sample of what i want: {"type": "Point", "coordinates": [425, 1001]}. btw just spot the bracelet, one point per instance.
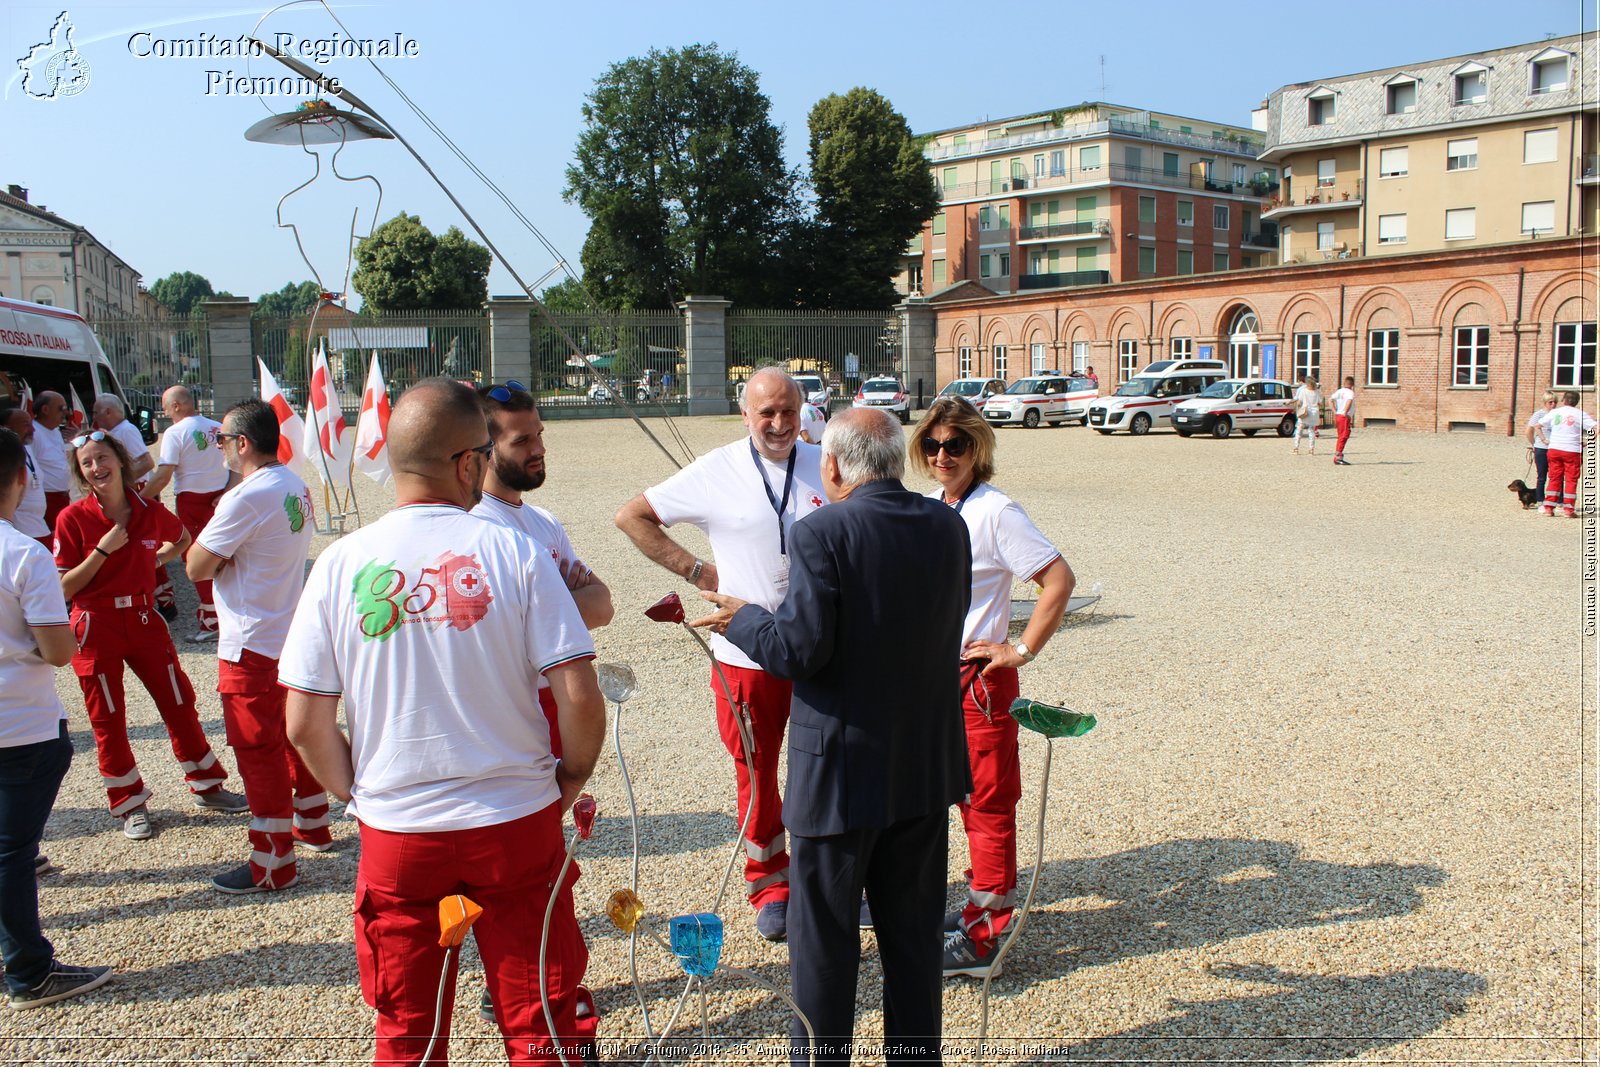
{"type": "Point", "coordinates": [695, 571]}
{"type": "Point", "coordinates": [102, 551]}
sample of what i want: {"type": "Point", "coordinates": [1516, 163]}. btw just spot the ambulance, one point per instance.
{"type": "Point", "coordinates": [1243, 404]}
{"type": "Point", "coordinates": [49, 348]}
{"type": "Point", "coordinates": [1147, 399]}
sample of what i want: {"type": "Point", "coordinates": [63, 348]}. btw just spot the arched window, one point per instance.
{"type": "Point", "coordinates": [43, 294]}
{"type": "Point", "coordinates": [1244, 344]}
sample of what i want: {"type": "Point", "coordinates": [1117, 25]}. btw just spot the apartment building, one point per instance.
{"type": "Point", "coordinates": [51, 260]}
{"type": "Point", "coordinates": [1090, 195]}
{"type": "Point", "coordinates": [1487, 148]}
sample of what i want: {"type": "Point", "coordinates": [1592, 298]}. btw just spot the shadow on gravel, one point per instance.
{"type": "Point", "coordinates": [257, 967]}
{"type": "Point", "coordinates": [1306, 1019]}
{"type": "Point", "coordinates": [660, 835]}
{"type": "Point", "coordinates": [83, 740]}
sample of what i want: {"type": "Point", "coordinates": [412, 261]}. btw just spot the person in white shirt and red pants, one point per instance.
{"type": "Point", "coordinates": [1344, 414]}
{"type": "Point", "coordinates": [1567, 428]}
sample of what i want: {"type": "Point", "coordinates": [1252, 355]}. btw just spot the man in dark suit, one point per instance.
{"type": "Point", "coordinates": [871, 637]}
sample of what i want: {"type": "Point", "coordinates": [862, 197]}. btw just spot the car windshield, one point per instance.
{"type": "Point", "coordinates": [1138, 387]}
{"type": "Point", "coordinates": [1221, 390]}
{"type": "Point", "coordinates": [1076, 384]}
{"type": "Point", "coordinates": [882, 385]}
{"type": "Point", "coordinates": [967, 388]}
{"type": "Point", "coordinates": [1027, 385]}
{"type": "Point", "coordinates": [810, 385]}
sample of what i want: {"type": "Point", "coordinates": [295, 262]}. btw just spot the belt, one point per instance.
{"type": "Point", "coordinates": [137, 600]}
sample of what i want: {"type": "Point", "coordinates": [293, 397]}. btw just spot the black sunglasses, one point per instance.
{"type": "Point", "coordinates": [220, 436]}
{"type": "Point", "coordinates": [84, 438]}
{"type": "Point", "coordinates": [955, 447]}
{"type": "Point", "coordinates": [501, 394]}
{"type": "Point", "coordinates": [482, 450]}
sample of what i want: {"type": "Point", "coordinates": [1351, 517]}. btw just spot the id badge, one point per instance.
{"type": "Point", "coordinates": [780, 576]}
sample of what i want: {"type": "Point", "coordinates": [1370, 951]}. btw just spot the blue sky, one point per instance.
{"type": "Point", "coordinates": [160, 171]}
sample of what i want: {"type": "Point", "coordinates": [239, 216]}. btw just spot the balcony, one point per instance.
{"type": "Point", "coordinates": [1266, 237]}
{"type": "Point", "coordinates": [1126, 126]}
{"type": "Point", "coordinates": [1056, 231]}
{"type": "Point", "coordinates": [1336, 197]}
{"type": "Point", "coordinates": [1064, 281]}
{"type": "Point", "coordinates": [1591, 170]}
{"type": "Point", "coordinates": [1259, 186]}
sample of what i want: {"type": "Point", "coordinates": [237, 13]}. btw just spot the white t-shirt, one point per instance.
{"type": "Point", "coordinates": [190, 447]}
{"type": "Point", "coordinates": [31, 508]}
{"type": "Point", "coordinates": [1344, 401]}
{"type": "Point", "coordinates": [722, 494]}
{"type": "Point", "coordinates": [812, 422]}
{"type": "Point", "coordinates": [30, 595]}
{"type": "Point", "coordinates": [435, 626]}
{"type": "Point", "coordinates": [537, 523]}
{"type": "Point", "coordinates": [1536, 420]}
{"type": "Point", "coordinates": [264, 527]}
{"type": "Point", "coordinates": [50, 453]}
{"type": "Point", "coordinates": [1565, 427]}
{"type": "Point", "coordinates": [1308, 400]}
{"type": "Point", "coordinates": [1006, 545]}
{"type": "Point", "coordinates": [128, 434]}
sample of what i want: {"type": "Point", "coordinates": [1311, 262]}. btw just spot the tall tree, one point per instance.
{"type": "Point", "coordinates": [182, 291]}
{"type": "Point", "coordinates": [873, 193]}
{"type": "Point", "coordinates": [681, 173]}
{"type": "Point", "coordinates": [289, 301]}
{"type": "Point", "coordinates": [402, 266]}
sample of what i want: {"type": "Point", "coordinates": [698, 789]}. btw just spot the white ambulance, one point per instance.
{"type": "Point", "coordinates": [49, 348]}
{"type": "Point", "coordinates": [1243, 404]}
{"type": "Point", "coordinates": [1147, 399]}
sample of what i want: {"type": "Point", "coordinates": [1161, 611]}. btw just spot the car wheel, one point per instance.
{"type": "Point", "coordinates": [1106, 432]}
{"type": "Point", "coordinates": [1140, 425]}
{"type": "Point", "coordinates": [1222, 427]}
{"type": "Point", "coordinates": [1030, 419]}
{"type": "Point", "coordinates": [1084, 421]}
{"type": "Point", "coordinates": [1248, 433]}
{"type": "Point", "coordinates": [1286, 427]}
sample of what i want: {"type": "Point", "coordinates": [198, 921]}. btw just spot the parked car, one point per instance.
{"type": "Point", "coordinates": [814, 390]}
{"type": "Point", "coordinates": [1245, 404]}
{"type": "Point", "coordinates": [1146, 399]}
{"type": "Point", "coordinates": [885, 393]}
{"type": "Point", "coordinates": [1050, 397]}
{"type": "Point", "coordinates": [975, 390]}
{"type": "Point", "coordinates": [600, 394]}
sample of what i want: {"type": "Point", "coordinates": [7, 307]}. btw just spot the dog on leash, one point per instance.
{"type": "Point", "coordinates": [1529, 498]}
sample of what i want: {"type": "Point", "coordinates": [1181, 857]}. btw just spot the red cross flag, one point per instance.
{"type": "Point", "coordinates": [372, 427]}
{"type": "Point", "coordinates": [79, 417]}
{"type": "Point", "coordinates": [27, 398]}
{"type": "Point", "coordinates": [290, 428]}
{"type": "Point", "coordinates": [328, 441]}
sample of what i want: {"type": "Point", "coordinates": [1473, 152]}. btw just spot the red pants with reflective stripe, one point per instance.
{"type": "Point", "coordinates": [990, 811]}
{"type": "Point", "coordinates": [55, 504]}
{"type": "Point", "coordinates": [1343, 424]}
{"type": "Point", "coordinates": [283, 794]}
{"type": "Point", "coordinates": [108, 638]}
{"type": "Point", "coordinates": [1561, 488]}
{"type": "Point", "coordinates": [194, 511]}
{"type": "Point", "coordinates": [509, 871]}
{"type": "Point", "coordinates": [766, 865]}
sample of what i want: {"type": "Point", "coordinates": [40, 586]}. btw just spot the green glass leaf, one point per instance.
{"type": "Point", "coordinates": [1050, 720]}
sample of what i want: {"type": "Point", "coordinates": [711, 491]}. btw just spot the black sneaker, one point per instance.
{"type": "Point", "coordinates": [952, 921]}
{"type": "Point", "coordinates": [772, 921]}
{"type": "Point", "coordinates": [963, 956]}
{"type": "Point", "coordinates": [42, 865]}
{"type": "Point", "coordinates": [486, 1007]}
{"type": "Point", "coordinates": [239, 881]}
{"type": "Point", "coordinates": [62, 982]}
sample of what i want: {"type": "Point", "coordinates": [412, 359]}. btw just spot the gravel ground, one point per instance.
{"type": "Point", "coordinates": [1338, 806]}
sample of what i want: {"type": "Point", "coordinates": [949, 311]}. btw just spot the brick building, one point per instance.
{"type": "Point", "coordinates": [1461, 339]}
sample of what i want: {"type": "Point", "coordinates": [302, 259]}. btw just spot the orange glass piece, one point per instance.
{"type": "Point", "coordinates": [625, 909]}
{"type": "Point", "coordinates": [456, 916]}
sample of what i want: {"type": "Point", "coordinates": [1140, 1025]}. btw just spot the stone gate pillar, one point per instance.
{"type": "Point", "coordinates": [705, 333]}
{"type": "Point", "coordinates": [231, 342]}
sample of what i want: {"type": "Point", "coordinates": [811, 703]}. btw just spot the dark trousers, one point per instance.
{"type": "Point", "coordinates": [1541, 463]}
{"type": "Point", "coordinates": [30, 775]}
{"type": "Point", "coordinates": [902, 869]}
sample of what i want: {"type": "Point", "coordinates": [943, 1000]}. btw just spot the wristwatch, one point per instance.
{"type": "Point", "coordinates": [696, 570]}
{"type": "Point", "coordinates": [1025, 652]}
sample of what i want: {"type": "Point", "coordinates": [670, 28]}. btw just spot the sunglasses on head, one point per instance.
{"type": "Point", "coordinates": [482, 450]}
{"type": "Point", "coordinates": [955, 447]}
{"type": "Point", "coordinates": [84, 438]}
{"type": "Point", "coordinates": [501, 394]}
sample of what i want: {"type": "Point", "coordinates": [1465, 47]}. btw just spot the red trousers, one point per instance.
{"type": "Point", "coordinates": [55, 504]}
{"type": "Point", "coordinates": [287, 803]}
{"type": "Point", "coordinates": [1561, 488]}
{"type": "Point", "coordinates": [990, 811]}
{"type": "Point", "coordinates": [508, 870]}
{"type": "Point", "coordinates": [1343, 424]}
{"type": "Point", "coordinates": [766, 846]}
{"type": "Point", "coordinates": [109, 637]}
{"type": "Point", "coordinates": [194, 511]}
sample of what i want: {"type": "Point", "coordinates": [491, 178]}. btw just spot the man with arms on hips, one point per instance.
{"type": "Point", "coordinates": [253, 552]}
{"type": "Point", "coordinates": [50, 453]}
{"type": "Point", "coordinates": [745, 497]}
{"type": "Point", "coordinates": [1344, 414]}
{"type": "Point", "coordinates": [873, 768]}
{"type": "Point", "coordinates": [435, 626]}
{"type": "Point", "coordinates": [29, 517]}
{"type": "Point", "coordinates": [110, 415]}
{"type": "Point", "coordinates": [34, 749]}
{"type": "Point", "coordinates": [191, 461]}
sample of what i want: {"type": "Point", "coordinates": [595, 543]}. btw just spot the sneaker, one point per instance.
{"type": "Point", "coordinates": [865, 920]}
{"type": "Point", "coordinates": [1296, 451]}
{"type": "Point", "coordinates": [486, 1008]}
{"type": "Point", "coordinates": [219, 799]}
{"type": "Point", "coordinates": [136, 824]}
{"type": "Point", "coordinates": [239, 881]}
{"type": "Point", "coordinates": [202, 635]}
{"type": "Point", "coordinates": [952, 921]}
{"type": "Point", "coordinates": [314, 846]}
{"type": "Point", "coordinates": [170, 613]}
{"type": "Point", "coordinates": [42, 865]}
{"type": "Point", "coordinates": [1547, 512]}
{"type": "Point", "coordinates": [772, 921]}
{"type": "Point", "coordinates": [62, 982]}
{"type": "Point", "coordinates": [962, 956]}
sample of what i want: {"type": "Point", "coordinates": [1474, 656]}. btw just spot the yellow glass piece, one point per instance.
{"type": "Point", "coordinates": [625, 909]}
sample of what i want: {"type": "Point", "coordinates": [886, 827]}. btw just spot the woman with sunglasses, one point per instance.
{"type": "Point", "coordinates": [955, 446]}
{"type": "Point", "coordinates": [1539, 440]}
{"type": "Point", "coordinates": [108, 545]}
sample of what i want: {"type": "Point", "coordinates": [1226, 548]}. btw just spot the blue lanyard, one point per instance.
{"type": "Point", "coordinates": [777, 505]}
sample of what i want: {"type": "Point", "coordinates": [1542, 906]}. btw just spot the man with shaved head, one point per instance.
{"type": "Point", "coordinates": [31, 507]}
{"type": "Point", "coordinates": [50, 453]}
{"type": "Point", "coordinates": [745, 497]}
{"type": "Point", "coordinates": [435, 627]}
{"type": "Point", "coordinates": [192, 462]}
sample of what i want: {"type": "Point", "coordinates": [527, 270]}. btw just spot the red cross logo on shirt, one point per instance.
{"type": "Point", "coordinates": [816, 501]}
{"type": "Point", "coordinates": [469, 581]}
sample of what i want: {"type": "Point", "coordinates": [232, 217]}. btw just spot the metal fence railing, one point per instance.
{"type": "Point", "coordinates": [638, 354]}
{"type": "Point", "coordinates": [844, 347]}
{"type": "Point", "coordinates": [149, 355]}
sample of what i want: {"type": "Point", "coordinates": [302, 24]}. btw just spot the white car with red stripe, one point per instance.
{"type": "Point", "coordinates": [1050, 397]}
{"type": "Point", "coordinates": [1243, 404]}
{"type": "Point", "coordinates": [1147, 399]}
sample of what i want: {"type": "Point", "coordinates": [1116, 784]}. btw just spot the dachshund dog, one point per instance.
{"type": "Point", "coordinates": [1529, 498]}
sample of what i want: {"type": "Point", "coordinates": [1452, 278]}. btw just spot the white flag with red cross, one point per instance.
{"type": "Point", "coordinates": [372, 427]}
{"type": "Point", "coordinates": [328, 441]}
{"type": "Point", "coordinates": [79, 417]}
{"type": "Point", "coordinates": [290, 428]}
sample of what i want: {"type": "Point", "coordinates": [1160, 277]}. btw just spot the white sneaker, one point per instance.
{"type": "Point", "coordinates": [202, 635]}
{"type": "Point", "coordinates": [136, 825]}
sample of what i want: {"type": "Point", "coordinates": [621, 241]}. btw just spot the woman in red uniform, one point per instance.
{"type": "Point", "coordinates": [108, 545]}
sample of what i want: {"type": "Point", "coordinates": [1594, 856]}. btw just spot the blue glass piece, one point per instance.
{"type": "Point", "coordinates": [1050, 720]}
{"type": "Point", "coordinates": [697, 942]}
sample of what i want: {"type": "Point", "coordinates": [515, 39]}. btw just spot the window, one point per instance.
{"type": "Point", "coordinates": [1147, 259]}
{"type": "Point", "coordinates": [1127, 359]}
{"type": "Point", "coordinates": [1169, 163]}
{"type": "Point", "coordinates": [950, 177]}
{"type": "Point", "coordinates": [1460, 223]}
{"type": "Point", "coordinates": [1058, 163]}
{"type": "Point", "coordinates": [1220, 261]}
{"type": "Point", "coordinates": [1307, 355]}
{"type": "Point", "coordinates": [1325, 172]}
{"type": "Point", "coordinates": [1038, 166]}
{"type": "Point", "coordinates": [1394, 162]}
{"type": "Point", "coordinates": [1004, 216]}
{"type": "Point", "coordinates": [1324, 236]}
{"type": "Point", "coordinates": [1539, 146]}
{"type": "Point", "coordinates": [914, 278]}
{"type": "Point", "coordinates": [1472, 87]}
{"type": "Point", "coordinates": [1239, 174]}
{"type": "Point", "coordinates": [1383, 357]}
{"type": "Point", "coordinates": [1574, 362]}
{"type": "Point", "coordinates": [1036, 357]}
{"type": "Point", "coordinates": [999, 361]}
{"type": "Point", "coordinates": [1185, 212]}
{"type": "Point", "coordinates": [1182, 347]}
{"type": "Point", "coordinates": [1320, 110]}
{"type": "Point", "coordinates": [1391, 229]}
{"type": "Point", "coordinates": [1088, 258]}
{"type": "Point", "coordinates": [1550, 75]}
{"type": "Point", "coordinates": [960, 144]}
{"type": "Point", "coordinates": [964, 362]}
{"type": "Point", "coordinates": [1005, 264]}
{"type": "Point", "coordinates": [1185, 261]}
{"type": "Point", "coordinates": [1089, 157]}
{"type": "Point", "coordinates": [1036, 263]}
{"type": "Point", "coordinates": [1461, 154]}
{"type": "Point", "coordinates": [938, 224]}
{"type": "Point", "coordinates": [1132, 157]}
{"type": "Point", "coordinates": [1219, 217]}
{"type": "Point", "coordinates": [1539, 217]}
{"type": "Point", "coordinates": [1402, 98]}
{"type": "Point", "coordinates": [986, 217]}
{"type": "Point", "coordinates": [1080, 355]}
{"type": "Point", "coordinates": [1147, 209]}
{"type": "Point", "coordinates": [983, 266]}
{"type": "Point", "coordinates": [938, 272]}
{"type": "Point", "coordinates": [1472, 355]}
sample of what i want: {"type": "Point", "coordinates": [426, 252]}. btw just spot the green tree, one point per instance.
{"type": "Point", "coordinates": [873, 193]}
{"type": "Point", "coordinates": [565, 296]}
{"type": "Point", "coordinates": [681, 173]}
{"type": "Point", "coordinates": [290, 301]}
{"type": "Point", "coordinates": [182, 291]}
{"type": "Point", "coordinates": [402, 266]}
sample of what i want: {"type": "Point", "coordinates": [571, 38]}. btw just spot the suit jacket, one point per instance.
{"type": "Point", "coordinates": [870, 634]}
